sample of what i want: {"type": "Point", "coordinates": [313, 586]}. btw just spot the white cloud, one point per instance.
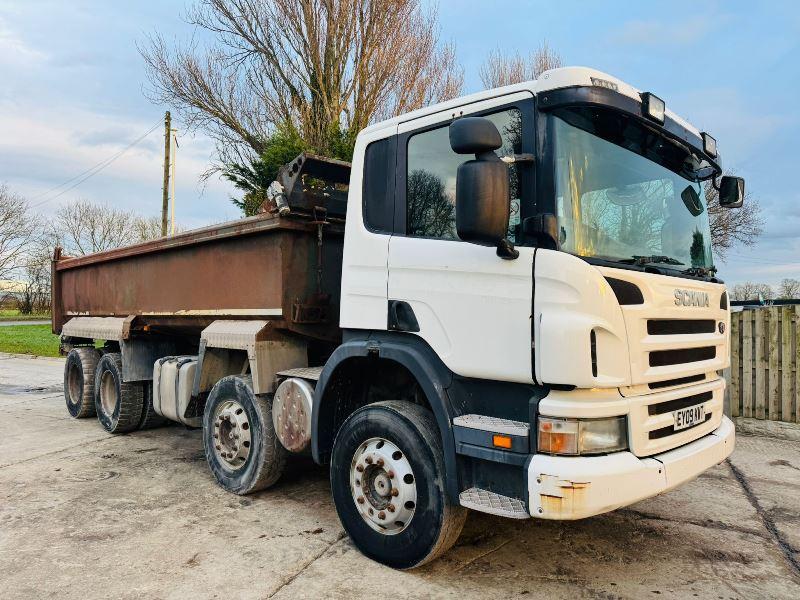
{"type": "Point", "coordinates": [41, 148]}
{"type": "Point", "coordinates": [14, 52]}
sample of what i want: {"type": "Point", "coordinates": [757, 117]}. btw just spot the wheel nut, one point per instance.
{"type": "Point", "coordinates": [390, 508]}
{"type": "Point", "coordinates": [395, 492]}
{"type": "Point", "coordinates": [390, 474]}
{"type": "Point", "coordinates": [360, 500]}
{"type": "Point", "coordinates": [217, 446]}
{"type": "Point", "coordinates": [381, 515]}
{"type": "Point", "coordinates": [379, 462]}
{"type": "Point", "coordinates": [371, 512]}
{"type": "Point", "coordinates": [360, 468]}
{"type": "Point", "coordinates": [368, 460]}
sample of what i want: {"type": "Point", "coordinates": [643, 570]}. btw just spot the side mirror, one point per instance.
{"type": "Point", "coordinates": [482, 201]}
{"type": "Point", "coordinates": [731, 191]}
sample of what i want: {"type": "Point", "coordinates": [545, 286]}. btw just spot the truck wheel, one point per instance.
{"type": "Point", "coordinates": [79, 381]}
{"type": "Point", "coordinates": [118, 404]}
{"type": "Point", "coordinates": [387, 480]}
{"type": "Point", "coordinates": [240, 443]}
{"type": "Point", "coordinates": [150, 418]}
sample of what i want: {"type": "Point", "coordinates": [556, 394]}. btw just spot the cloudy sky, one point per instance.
{"type": "Point", "coordinates": [71, 83]}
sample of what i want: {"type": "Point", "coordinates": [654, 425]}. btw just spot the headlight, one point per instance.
{"type": "Point", "coordinates": [574, 437]}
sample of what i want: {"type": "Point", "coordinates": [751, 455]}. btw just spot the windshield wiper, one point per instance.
{"type": "Point", "coordinates": [700, 271]}
{"type": "Point", "coordinates": [651, 260]}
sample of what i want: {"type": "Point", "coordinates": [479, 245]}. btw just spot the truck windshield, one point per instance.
{"type": "Point", "coordinates": [630, 200]}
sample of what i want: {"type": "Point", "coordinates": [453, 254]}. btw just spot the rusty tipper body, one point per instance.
{"type": "Point", "coordinates": [508, 304]}
{"type": "Point", "coordinates": [263, 267]}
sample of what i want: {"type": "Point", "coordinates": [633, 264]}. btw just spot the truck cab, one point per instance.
{"type": "Point", "coordinates": [512, 308]}
{"type": "Point", "coordinates": [580, 372]}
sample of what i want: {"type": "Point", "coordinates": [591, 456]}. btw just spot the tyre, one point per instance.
{"type": "Point", "coordinates": [241, 447]}
{"type": "Point", "coordinates": [387, 480]}
{"type": "Point", "coordinates": [79, 381]}
{"type": "Point", "coordinates": [150, 419]}
{"type": "Point", "coordinates": [118, 404]}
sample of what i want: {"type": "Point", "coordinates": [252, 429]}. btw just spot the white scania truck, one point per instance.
{"type": "Point", "coordinates": [507, 303]}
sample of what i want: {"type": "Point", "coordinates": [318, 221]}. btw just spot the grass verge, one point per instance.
{"type": "Point", "coordinates": [28, 339]}
{"type": "Point", "coordinates": [13, 315]}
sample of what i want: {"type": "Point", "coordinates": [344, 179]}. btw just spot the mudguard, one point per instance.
{"type": "Point", "coordinates": [415, 355]}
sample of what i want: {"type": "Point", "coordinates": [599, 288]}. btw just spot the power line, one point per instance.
{"type": "Point", "coordinates": [91, 171]}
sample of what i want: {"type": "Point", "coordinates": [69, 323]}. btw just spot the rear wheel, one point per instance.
{"type": "Point", "coordinates": [79, 381]}
{"type": "Point", "coordinates": [241, 447]}
{"type": "Point", "coordinates": [118, 404]}
{"type": "Point", "coordinates": [387, 479]}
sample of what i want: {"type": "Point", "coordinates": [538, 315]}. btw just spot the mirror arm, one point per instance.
{"type": "Point", "coordinates": [714, 183]}
{"type": "Point", "coordinates": [518, 158]}
{"type": "Point", "coordinates": [506, 250]}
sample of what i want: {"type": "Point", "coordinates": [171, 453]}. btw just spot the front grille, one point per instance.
{"type": "Point", "coordinates": [663, 358]}
{"type": "Point", "coordinates": [669, 406]}
{"type": "Point", "coordinates": [657, 385]}
{"type": "Point", "coordinates": [669, 430]}
{"type": "Point", "coordinates": [680, 326]}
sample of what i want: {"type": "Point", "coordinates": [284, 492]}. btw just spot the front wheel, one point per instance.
{"type": "Point", "coordinates": [387, 479]}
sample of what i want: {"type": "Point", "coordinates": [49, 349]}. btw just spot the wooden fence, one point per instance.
{"type": "Point", "coordinates": [764, 378]}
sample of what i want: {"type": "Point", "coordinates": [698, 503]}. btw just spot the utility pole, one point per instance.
{"type": "Point", "coordinates": [165, 196]}
{"type": "Point", "coordinates": [174, 154]}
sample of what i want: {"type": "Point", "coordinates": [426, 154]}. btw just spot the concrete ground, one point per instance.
{"type": "Point", "coordinates": [87, 515]}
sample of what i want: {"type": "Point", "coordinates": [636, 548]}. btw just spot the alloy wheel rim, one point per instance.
{"type": "Point", "coordinates": [232, 434]}
{"type": "Point", "coordinates": [383, 486]}
{"type": "Point", "coordinates": [108, 393]}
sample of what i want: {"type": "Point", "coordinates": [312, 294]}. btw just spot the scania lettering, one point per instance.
{"type": "Point", "coordinates": [691, 298]}
{"type": "Point", "coordinates": [506, 303]}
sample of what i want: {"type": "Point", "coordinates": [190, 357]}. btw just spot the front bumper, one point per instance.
{"type": "Point", "coordinates": [564, 488]}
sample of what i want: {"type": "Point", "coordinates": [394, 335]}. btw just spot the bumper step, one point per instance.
{"type": "Point", "coordinates": [494, 504]}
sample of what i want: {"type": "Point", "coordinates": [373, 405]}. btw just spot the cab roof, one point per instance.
{"type": "Point", "coordinates": [563, 77]}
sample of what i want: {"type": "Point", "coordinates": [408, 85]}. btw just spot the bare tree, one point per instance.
{"type": "Point", "coordinates": [319, 66]}
{"type": "Point", "coordinates": [732, 226]}
{"type": "Point", "coordinates": [82, 228]}
{"type": "Point", "coordinates": [752, 291]}
{"type": "Point", "coordinates": [789, 288]}
{"type": "Point", "coordinates": [17, 227]}
{"type": "Point", "coordinates": [501, 69]}
{"type": "Point", "coordinates": [34, 297]}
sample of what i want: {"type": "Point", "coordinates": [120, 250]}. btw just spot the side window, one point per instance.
{"type": "Point", "coordinates": [378, 187]}
{"type": "Point", "coordinates": [431, 177]}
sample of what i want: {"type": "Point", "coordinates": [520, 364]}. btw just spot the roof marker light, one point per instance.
{"type": "Point", "coordinates": [709, 145]}
{"type": "Point", "coordinates": [653, 107]}
{"type": "Point", "coordinates": [604, 83]}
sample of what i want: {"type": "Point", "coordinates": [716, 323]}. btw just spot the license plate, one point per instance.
{"type": "Point", "coordinates": [688, 417]}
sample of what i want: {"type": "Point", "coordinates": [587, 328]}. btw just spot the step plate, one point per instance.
{"type": "Point", "coordinates": [310, 373]}
{"type": "Point", "coordinates": [492, 424]}
{"type": "Point", "coordinates": [494, 504]}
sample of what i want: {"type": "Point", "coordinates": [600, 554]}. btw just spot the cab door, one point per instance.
{"type": "Point", "coordinates": [471, 306]}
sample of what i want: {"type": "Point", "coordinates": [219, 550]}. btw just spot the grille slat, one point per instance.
{"type": "Point", "coordinates": [656, 385]}
{"type": "Point", "coordinates": [680, 326]}
{"type": "Point", "coordinates": [663, 358]}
